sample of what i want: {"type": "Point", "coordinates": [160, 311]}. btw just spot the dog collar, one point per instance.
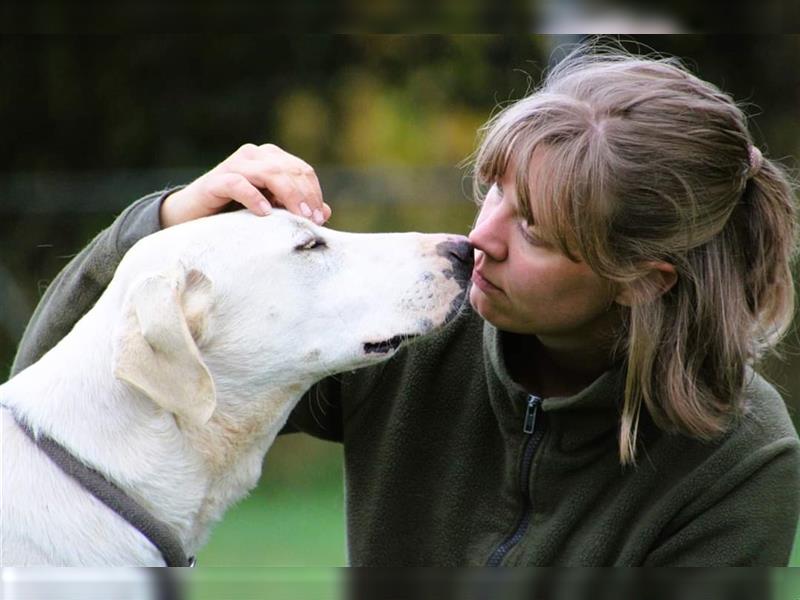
{"type": "Point", "coordinates": [157, 532]}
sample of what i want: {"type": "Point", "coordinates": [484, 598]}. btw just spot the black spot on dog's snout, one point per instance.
{"type": "Point", "coordinates": [459, 252]}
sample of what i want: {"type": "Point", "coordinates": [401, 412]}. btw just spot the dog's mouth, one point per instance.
{"type": "Point", "coordinates": [389, 345]}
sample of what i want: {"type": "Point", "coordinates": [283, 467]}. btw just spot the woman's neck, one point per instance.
{"type": "Point", "coordinates": [549, 370]}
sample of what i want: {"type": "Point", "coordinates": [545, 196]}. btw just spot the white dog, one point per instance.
{"type": "Point", "coordinates": [174, 385]}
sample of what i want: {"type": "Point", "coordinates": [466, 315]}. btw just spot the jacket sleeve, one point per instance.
{"type": "Point", "coordinates": [78, 286]}
{"type": "Point", "coordinates": [747, 518]}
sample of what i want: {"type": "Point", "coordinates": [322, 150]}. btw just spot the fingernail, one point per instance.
{"type": "Point", "coordinates": [319, 219]}
{"type": "Point", "coordinates": [305, 209]}
{"type": "Point", "coordinates": [264, 207]}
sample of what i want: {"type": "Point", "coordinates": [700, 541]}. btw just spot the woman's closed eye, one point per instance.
{"type": "Point", "coordinates": [529, 234]}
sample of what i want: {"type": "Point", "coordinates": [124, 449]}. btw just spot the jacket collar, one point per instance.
{"type": "Point", "coordinates": [582, 427]}
{"type": "Point", "coordinates": [605, 393]}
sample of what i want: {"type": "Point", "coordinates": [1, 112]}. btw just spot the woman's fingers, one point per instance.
{"type": "Point", "coordinates": [291, 186]}
{"type": "Point", "coordinates": [284, 179]}
{"type": "Point", "coordinates": [258, 178]}
{"type": "Point", "coordinates": [236, 186]}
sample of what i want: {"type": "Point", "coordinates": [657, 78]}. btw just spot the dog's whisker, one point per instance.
{"type": "Point", "coordinates": [318, 399]}
{"type": "Point", "coordinates": [320, 422]}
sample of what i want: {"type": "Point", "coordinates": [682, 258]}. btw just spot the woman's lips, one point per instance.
{"type": "Point", "coordinates": [484, 284]}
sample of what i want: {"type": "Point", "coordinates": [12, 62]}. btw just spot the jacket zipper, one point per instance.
{"type": "Point", "coordinates": [529, 428]}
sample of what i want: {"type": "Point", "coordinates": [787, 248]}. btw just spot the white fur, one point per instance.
{"type": "Point", "coordinates": [176, 382]}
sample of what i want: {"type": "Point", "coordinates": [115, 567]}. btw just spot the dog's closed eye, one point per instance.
{"type": "Point", "coordinates": [311, 244]}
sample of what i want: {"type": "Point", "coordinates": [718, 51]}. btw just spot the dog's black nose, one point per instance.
{"type": "Point", "coordinates": [460, 253]}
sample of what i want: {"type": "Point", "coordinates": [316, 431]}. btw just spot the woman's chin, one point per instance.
{"type": "Point", "coordinates": [496, 316]}
{"type": "Point", "coordinates": [483, 305]}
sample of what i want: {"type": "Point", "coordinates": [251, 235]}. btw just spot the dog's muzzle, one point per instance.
{"type": "Point", "coordinates": [459, 252]}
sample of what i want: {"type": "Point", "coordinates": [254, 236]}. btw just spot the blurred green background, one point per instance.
{"type": "Point", "coordinates": [92, 122]}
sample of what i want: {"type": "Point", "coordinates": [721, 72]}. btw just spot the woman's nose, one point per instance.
{"type": "Point", "coordinates": [490, 234]}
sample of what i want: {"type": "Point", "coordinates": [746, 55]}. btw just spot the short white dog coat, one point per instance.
{"type": "Point", "coordinates": [174, 385]}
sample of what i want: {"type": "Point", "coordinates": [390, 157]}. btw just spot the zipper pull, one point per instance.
{"type": "Point", "coordinates": [530, 413]}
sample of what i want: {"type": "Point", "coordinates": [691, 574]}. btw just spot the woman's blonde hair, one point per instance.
{"type": "Point", "coordinates": [646, 162]}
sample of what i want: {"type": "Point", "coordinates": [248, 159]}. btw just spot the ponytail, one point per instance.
{"type": "Point", "coordinates": [767, 221]}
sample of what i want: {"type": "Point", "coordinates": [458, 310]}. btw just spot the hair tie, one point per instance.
{"type": "Point", "coordinates": [755, 161]}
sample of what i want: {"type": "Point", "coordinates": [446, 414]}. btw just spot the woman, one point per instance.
{"type": "Point", "coordinates": [595, 403]}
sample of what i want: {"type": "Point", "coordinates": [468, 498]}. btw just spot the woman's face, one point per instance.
{"type": "Point", "coordinates": [524, 285]}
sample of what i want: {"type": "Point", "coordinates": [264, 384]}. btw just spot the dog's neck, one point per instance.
{"type": "Point", "coordinates": [186, 477]}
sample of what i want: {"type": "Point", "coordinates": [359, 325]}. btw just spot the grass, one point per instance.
{"type": "Point", "coordinates": [285, 528]}
{"type": "Point", "coordinates": [295, 517]}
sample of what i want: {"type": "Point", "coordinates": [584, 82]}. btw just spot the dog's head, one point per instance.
{"type": "Point", "coordinates": [258, 303]}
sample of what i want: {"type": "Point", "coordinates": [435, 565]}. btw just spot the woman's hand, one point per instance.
{"type": "Point", "coordinates": [257, 177]}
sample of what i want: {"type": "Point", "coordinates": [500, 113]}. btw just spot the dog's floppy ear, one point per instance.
{"type": "Point", "coordinates": [155, 349]}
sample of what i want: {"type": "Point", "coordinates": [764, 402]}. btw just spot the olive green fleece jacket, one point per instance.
{"type": "Point", "coordinates": [449, 462]}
